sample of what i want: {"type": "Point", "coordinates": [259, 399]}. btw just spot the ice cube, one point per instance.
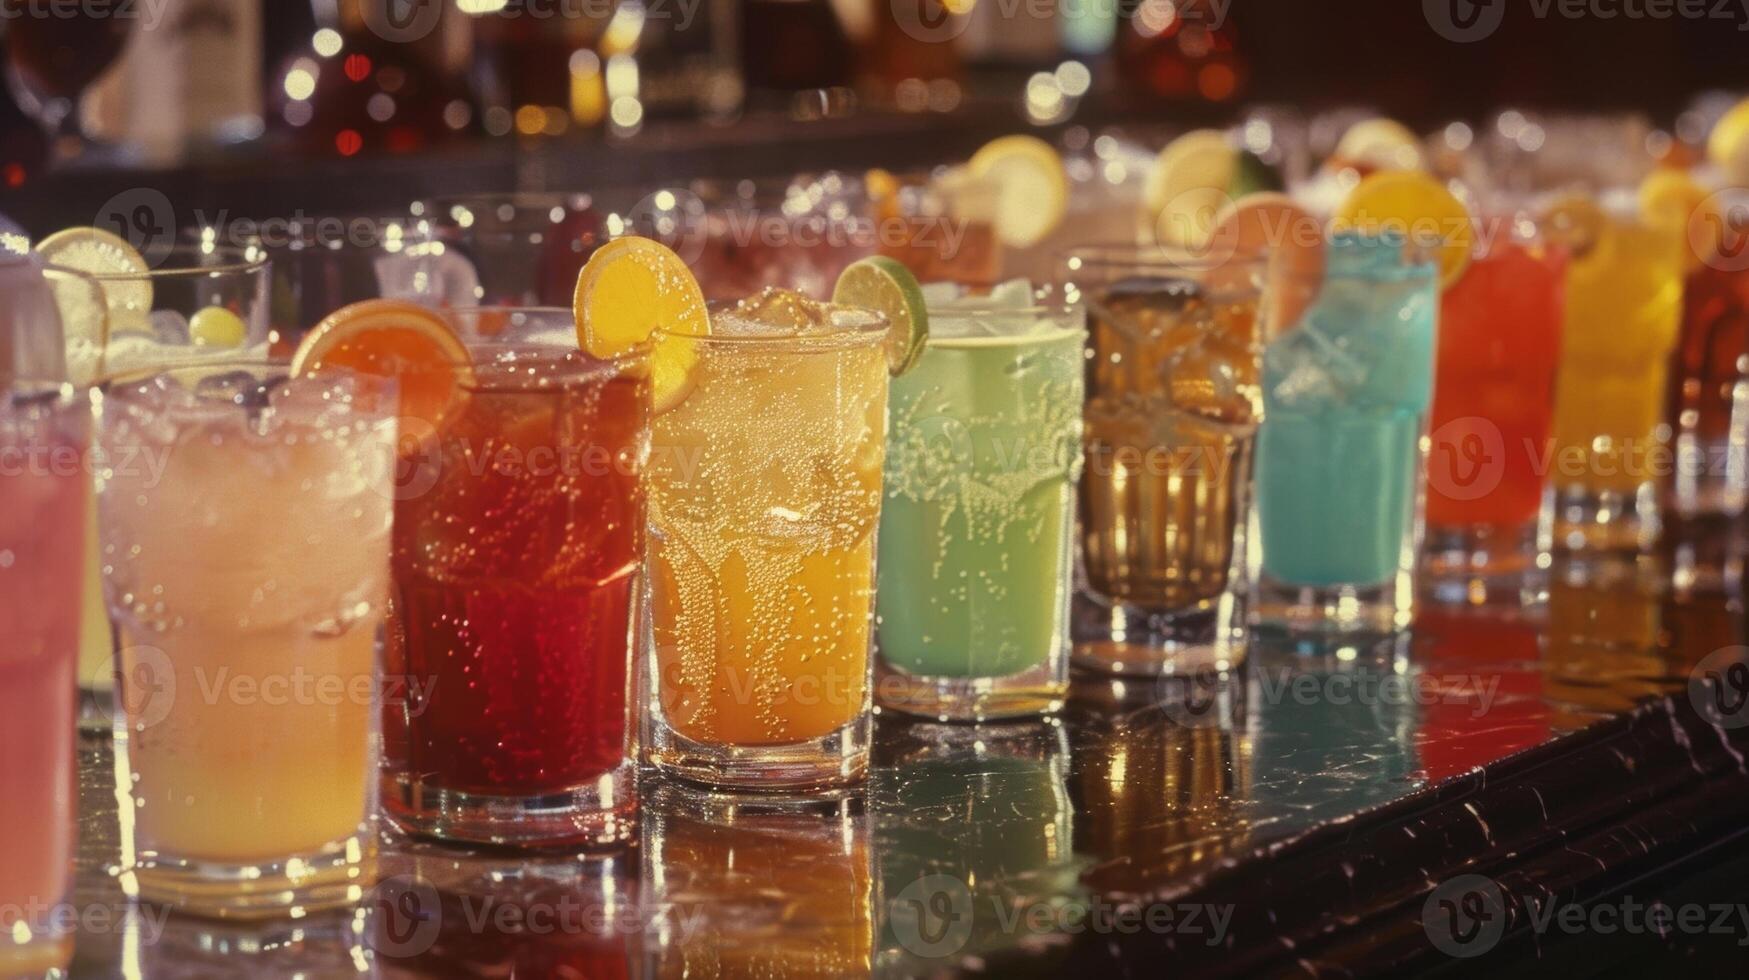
{"type": "Point", "coordinates": [1296, 377]}
{"type": "Point", "coordinates": [237, 387]}
{"type": "Point", "coordinates": [937, 295]}
{"type": "Point", "coordinates": [782, 311]}
{"type": "Point", "coordinates": [1015, 294]}
{"type": "Point", "coordinates": [169, 327]}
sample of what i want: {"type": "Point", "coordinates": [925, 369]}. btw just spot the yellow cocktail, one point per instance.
{"type": "Point", "coordinates": [765, 494]}
{"type": "Point", "coordinates": [1624, 305]}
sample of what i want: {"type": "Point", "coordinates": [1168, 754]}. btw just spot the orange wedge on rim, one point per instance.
{"type": "Point", "coordinates": [635, 291]}
{"type": "Point", "coordinates": [395, 339]}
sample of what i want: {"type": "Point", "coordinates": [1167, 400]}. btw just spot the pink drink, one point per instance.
{"type": "Point", "coordinates": [43, 488]}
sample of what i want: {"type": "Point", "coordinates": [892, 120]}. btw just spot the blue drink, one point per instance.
{"type": "Point", "coordinates": [1347, 390]}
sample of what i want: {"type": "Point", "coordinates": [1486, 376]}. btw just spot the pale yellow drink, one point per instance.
{"type": "Point", "coordinates": [246, 550]}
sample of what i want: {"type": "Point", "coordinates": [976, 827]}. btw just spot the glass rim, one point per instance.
{"type": "Point", "coordinates": [302, 233]}
{"type": "Point", "coordinates": [638, 351]}
{"type": "Point", "coordinates": [236, 260]}
{"type": "Point", "coordinates": [874, 330]}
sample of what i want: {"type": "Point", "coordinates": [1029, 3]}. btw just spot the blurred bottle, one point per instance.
{"type": "Point", "coordinates": [53, 54]}
{"type": "Point", "coordinates": [1181, 51]}
{"type": "Point", "coordinates": [377, 76]}
{"type": "Point", "coordinates": [791, 45]}
{"type": "Point", "coordinates": [24, 147]}
{"type": "Point", "coordinates": [526, 69]}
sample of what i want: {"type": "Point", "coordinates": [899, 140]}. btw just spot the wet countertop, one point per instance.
{"type": "Point", "coordinates": [1406, 803]}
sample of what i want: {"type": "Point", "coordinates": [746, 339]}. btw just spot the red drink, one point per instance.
{"type": "Point", "coordinates": [1493, 408]}
{"type": "Point", "coordinates": [518, 539]}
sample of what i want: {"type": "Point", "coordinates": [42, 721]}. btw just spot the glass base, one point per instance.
{"type": "Point", "coordinates": [336, 875]}
{"type": "Point", "coordinates": [821, 765]}
{"type": "Point", "coordinates": [1118, 638]}
{"type": "Point", "coordinates": [97, 712]}
{"type": "Point", "coordinates": [597, 814]}
{"type": "Point", "coordinates": [1482, 565]}
{"type": "Point", "coordinates": [1337, 610]}
{"type": "Point", "coordinates": [1039, 691]}
{"type": "Point", "coordinates": [1605, 520]}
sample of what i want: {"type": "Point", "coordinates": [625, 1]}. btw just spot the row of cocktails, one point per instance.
{"type": "Point", "coordinates": [638, 513]}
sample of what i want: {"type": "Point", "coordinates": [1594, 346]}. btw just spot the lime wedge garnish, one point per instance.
{"type": "Point", "coordinates": [887, 287]}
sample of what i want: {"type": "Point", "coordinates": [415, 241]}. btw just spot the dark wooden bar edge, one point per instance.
{"type": "Point", "coordinates": [1580, 819]}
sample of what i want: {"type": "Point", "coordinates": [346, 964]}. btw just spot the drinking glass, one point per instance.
{"type": "Point", "coordinates": [765, 493]}
{"type": "Point", "coordinates": [1493, 409]}
{"type": "Point", "coordinates": [53, 54]}
{"type": "Point", "coordinates": [1707, 404]}
{"type": "Point", "coordinates": [741, 236]}
{"type": "Point", "coordinates": [318, 265]}
{"type": "Point", "coordinates": [983, 443]}
{"type": "Point", "coordinates": [519, 529]}
{"type": "Point", "coordinates": [515, 250]}
{"type": "Point", "coordinates": [1171, 421]}
{"type": "Point", "coordinates": [43, 490]}
{"type": "Point", "coordinates": [245, 523]}
{"type": "Point", "coordinates": [940, 224]}
{"type": "Point", "coordinates": [1624, 312]}
{"type": "Point", "coordinates": [1010, 844]}
{"type": "Point", "coordinates": [1347, 388]}
{"type": "Point", "coordinates": [117, 323]}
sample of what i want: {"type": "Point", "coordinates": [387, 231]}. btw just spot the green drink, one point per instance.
{"type": "Point", "coordinates": [983, 439]}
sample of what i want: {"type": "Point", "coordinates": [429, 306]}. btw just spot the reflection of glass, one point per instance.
{"type": "Point", "coordinates": [1624, 307]}
{"type": "Point", "coordinates": [519, 249]}
{"type": "Point", "coordinates": [128, 322]}
{"type": "Point", "coordinates": [447, 912]}
{"type": "Point", "coordinates": [1604, 619]}
{"type": "Point", "coordinates": [987, 807]}
{"type": "Point", "coordinates": [767, 890]}
{"type": "Point", "coordinates": [765, 492]}
{"type": "Point", "coordinates": [247, 573]}
{"type": "Point", "coordinates": [1159, 787]}
{"type": "Point", "coordinates": [514, 589]}
{"type": "Point", "coordinates": [1493, 406]}
{"type": "Point", "coordinates": [54, 52]}
{"type": "Point", "coordinates": [1487, 664]}
{"type": "Point", "coordinates": [977, 522]}
{"type": "Point", "coordinates": [1339, 457]}
{"type": "Point", "coordinates": [42, 522]}
{"type": "Point", "coordinates": [1171, 418]}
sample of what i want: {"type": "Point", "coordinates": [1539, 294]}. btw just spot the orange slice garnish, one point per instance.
{"type": "Point", "coordinates": [401, 340]}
